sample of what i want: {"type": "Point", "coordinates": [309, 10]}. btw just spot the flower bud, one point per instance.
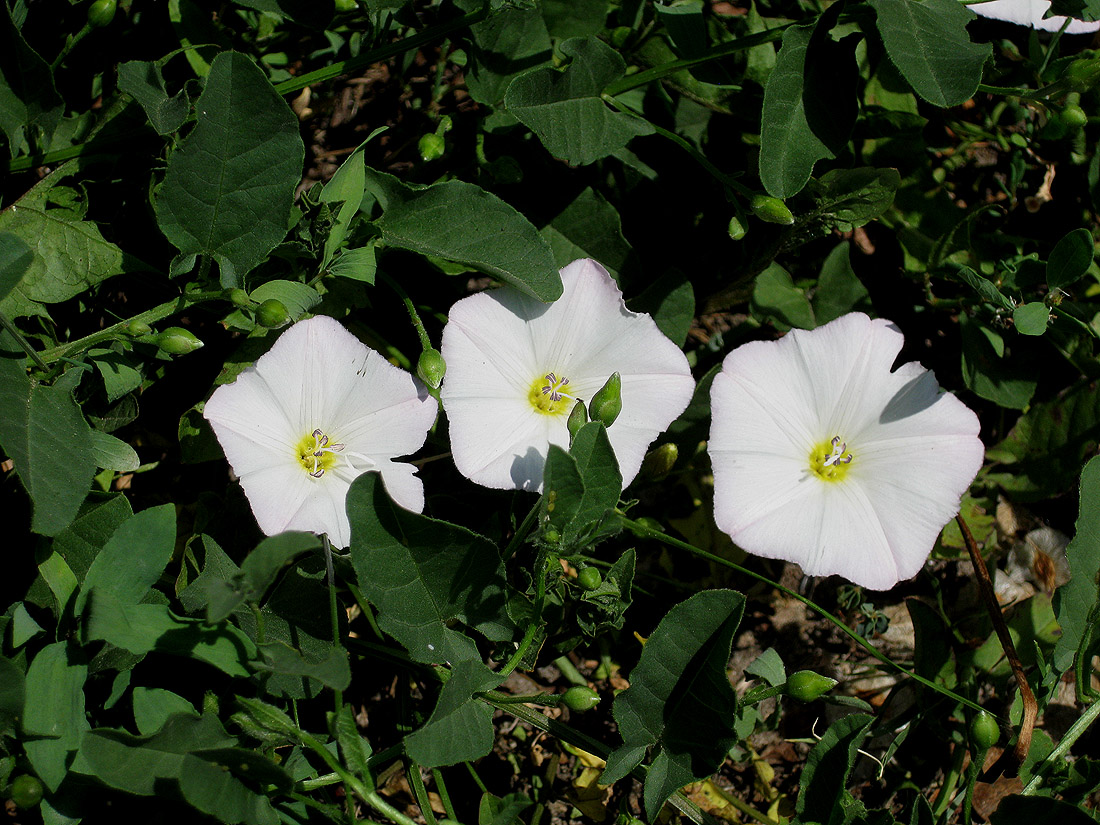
{"type": "Point", "coordinates": [101, 13]}
{"type": "Point", "coordinates": [659, 462]}
{"type": "Point", "coordinates": [805, 686]}
{"type": "Point", "coordinates": [431, 367]}
{"type": "Point", "coordinates": [552, 536]}
{"type": "Point", "coordinates": [737, 229]}
{"type": "Point", "coordinates": [580, 698]}
{"type": "Point", "coordinates": [136, 329]}
{"type": "Point", "coordinates": [26, 791]}
{"type": "Point", "coordinates": [239, 298]}
{"type": "Point", "coordinates": [432, 146]}
{"type": "Point", "coordinates": [984, 731]}
{"type": "Point", "coordinates": [1073, 117]}
{"type": "Point", "coordinates": [177, 341]}
{"type": "Point", "coordinates": [607, 403]}
{"type": "Point", "coordinates": [578, 417]}
{"type": "Point", "coordinates": [272, 314]}
{"type": "Point", "coordinates": [346, 5]}
{"type": "Point", "coordinates": [771, 210]}
{"type": "Point", "coordinates": [589, 578]}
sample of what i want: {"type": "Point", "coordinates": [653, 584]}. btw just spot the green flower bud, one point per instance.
{"type": "Point", "coordinates": [737, 229]}
{"type": "Point", "coordinates": [659, 462]}
{"type": "Point", "coordinates": [578, 417]}
{"type": "Point", "coordinates": [101, 13]}
{"type": "Point", "coordinates": [239, 298]}
{"type": "Point", "coordinates": [580, 698]}
{"type": "Point", "coordinates": [771, 210]}
{"type": "Point", "coordinates": [272, 314]}
{"type": "Point", "coordinates": [26, 791]}
{"type": "Point", "coordinates": [552, 536]}
{"type": "Point", "coordinates": [607, 403]}
{"type": "Point", "coordinates": [177, 341]}
{"type": "Point", "coordinates": [431, 368]}
{"type": "Point", "coordinates": [589, 578]}
{"type": "Point", "coordinates": [346, 5]}
{"type": "Point", "coordinates": [432, 147]}
{"type": "Point", "coordinates": [805, 686]}
{"type": "Point", "coordinates": [984, 731]}
{"type": "Point", "coordinates": [136, 329]}
{"type": "Point", "coordinates": [1073, 117]}
{"type": "Point", "coordinates": [620, 35]}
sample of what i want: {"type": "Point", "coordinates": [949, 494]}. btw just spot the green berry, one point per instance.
{"type": "Point", "coordinates": [101, 13]}
{"type": "Point", "coordinates": [431, 368]}
{"type": "Point", "coordinates": [805, 686]}
{"type": "Point", "coordinates": [26, 791]}
{"type": "Point", "coordinates": [580, 698]}
{"type": "Point", "coordinates": [771, 210]}
{"type": "Point", "coordinates": [984, 731]}
{"type": "Point", "coordinates": [589, 578]}
{"type": "Point", "coordinates": [177, 341]}
{"type": "Point", "coordinates": [272, 314]}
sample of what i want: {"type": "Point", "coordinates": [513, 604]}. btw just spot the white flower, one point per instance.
{"type": "Point", "coordinates": [515, 368]}
{"type": "Point", "coordinates": [824, 457]}
{"type": "Point", "coordinates": [1030, 13]}
{"type": "Point", "coordinates": [313, 413]}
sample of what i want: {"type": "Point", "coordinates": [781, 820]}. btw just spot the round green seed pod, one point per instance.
{"type": "Point", "coordinates": [272, 314]}
{"type": "Point", "coordinates": [984, 731]}
{"type": "Point", "coordinates": [239, 298]}
{"type": "Point", "coordinates": [589, 578]}
{"type": "Point", "coordinates": [26, 791]}
{"type": "Point", "coordinates": [101, 13]}
{"type": "Point", "coordinates": [431, 146]}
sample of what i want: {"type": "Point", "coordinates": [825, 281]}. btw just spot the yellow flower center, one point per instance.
{"type": "Point", "coordinates": [548, 395]}
{"type": "Point", "coordinates": [316, 454]}
{"type": "Point", "coordinates": [830, 460]}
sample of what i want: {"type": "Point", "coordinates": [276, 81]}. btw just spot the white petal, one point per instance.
{"type": "Point", "coordinates": [1030, 13]}
{"type": "Point", "coordinates": [288, 499]}
{"type": "Point", "coordinates": [504, 444]}
{"type": "Point", "coordinates": [403, 485]}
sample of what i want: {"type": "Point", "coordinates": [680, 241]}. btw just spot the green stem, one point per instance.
{"type": "Point", "coordinates": [633, 81]}
{"type": "Point", "coordinates": [425, 341]}
{"type": "Point", "coordinates": [70, 43]}
{"type": "Point", "coordinates": [521, 651]}
{"type": "Point", "coordinates": [1058, 754]}
{"type": "Point", "coordinates": [759, 694]}
{"type": "Point", "coordinates": [13, 330]}
{"type": "Point", "coordinates": [1062, 313]}
{"type": "Point", "coordinates": [150, 316]}
{"type": "Point", "coordinates": [444, 797]}
{"type": "Point", "coordinates": [569, 671]}
{"type": "Point", "coordinates": [825, 614]}
{"type": "Point", "coordinates": [522, 531]}
{"type": "Point", "coordinates": [416, 782]}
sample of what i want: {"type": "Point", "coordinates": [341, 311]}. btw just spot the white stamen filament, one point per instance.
{"type": "Point", "coordinates": [320, 447]}
{"type": "Point", "coordinates": [554, 386]}
{"type": "Point", "coordinates": [838, 455]}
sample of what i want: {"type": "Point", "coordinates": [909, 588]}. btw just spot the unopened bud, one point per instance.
{"type": "Point", "coordinates": [580, 698]}
{"type": "Point", "coordinates": [431, 368]}
{"type": "Point", "coordinates": [659, 462]}
{"type": "Point", "coordinates": [239, 298]}
{"type": "Point", "coordinates": [578, 417]}
{"type": "Point", "coordinates": [1083, 73]}
{"type": "Point", "coordinates": [432, 147]}
{"type": "Point", "coordinates": [272, 314]}
{"type": "Point", "coordinates": [805, 686]}
{"type": "Point", "coordinates": [737, 229]}
{"type": "Point", "coordinates": [771, 210]}
{"type": "Point", "coordinates": [177, 341]}
{"type": "Point", "coordinates": [984, 731]}
{"type": "Point", "coordinates": [589, 578]}
{"type": "Point", "coordinates": [136, 329]}
{"type": "Point", "coordinates": [607, 403]}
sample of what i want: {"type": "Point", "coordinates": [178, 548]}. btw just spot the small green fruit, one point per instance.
{"type": "Point", "coordinates": [431, 368]}
{"type": "Point", "coordinates": [589, 578]}
{"type": "Point", "coordinates": [432, 147]}
{"type": "Point", "coordinates": [272, 314]}
{"type": "Point", "coordinates": [101, 13]}
{"type": "Point", "coordinates": [771, 210]}
{"type": "Point", "coordinates": [580, 698]}
{"type": "Point", "coordinates": [805, 686]}
{"type": "Point", "coordinates": [607, 402]}
{"type": "Point", "coordinates": [26, 791]}
{"type": "Point", "coordinates": [984, 731]}
{"type": "Point", "coordinates": [177, 341]}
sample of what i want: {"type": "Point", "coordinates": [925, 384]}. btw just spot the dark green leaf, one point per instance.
{"type": "Point", "coordinates": [143, 81]}
{"type": "Point", "coordinates": [671, 301]}
{"type": "Point", "coordinates": [565, 109]}
{"type": "Point", "coordinates": [354, 748]}
{"type": "Point", "coordinates": [605, 607]}
{"type": "Point", "coordinates": [678, 689]}
{"type": "Point", "coordinates": [54, 710]}
{"type": "Point", "coordinates": [460, 728]}
{"type": "Point", "coordinates": [985, 288]}
{"type": "Point", "coordinates": [330, 669]}
{"type": "Point", "coordinates": [987, 372]}
{"type": "Point", "coordinates": [134, 557]}
{"type": "Point", "coordinates": [845, 199]}
{"type": "Point", "coordinates": [154, 706]}
{"type": "Point", "coordinates": [582, 486]}
{"type": "Point", "coordinates": [12, 695]}
{"type": "Point", "coordinates": [112, 453]}
{"type": "Point", "coordinates": [589, 227]}
{"type": "Point", "coordinates": [422, 574]}
{"type": "Point", "coordinates": [495, 810]}
{"type": "Point", "coordinates": [927, 41]}
{"type": "Point", "coordinates": [510, 42]}
{"type": "Point", "coordinates": [296, 297]}
{"type": "Point", "coordinates": [569, 18]}
{"type": "Point", "coordinates": [462, 222]}
{"type": "Point", "coordinates": [257, 573]}
{"type": "Point", "coordinates": [823, 787]}
{"type": "Point", "coordinates": [1070, 259]}
{"type": "Point", "coordinates": [15, 259]}
{"type": "Point", "coordinates": [1038, 810]}
{"type": "Point", "coordinates": [314, 14]}
{"type": "Point", "coordinates": [838, 289]}
{"type": "Point", "coordinates": [229, 188]}
{"type": "Point", "coordinates": [1031, 318]}
{"type": "Point", "coordinates": [769, 667]}
{"type": "Point", "coordinates": [775, 297]}
{"type": "Point", "coordinates": [1075, 602]}
{"type": "Point", "coordinates": [27, 93]}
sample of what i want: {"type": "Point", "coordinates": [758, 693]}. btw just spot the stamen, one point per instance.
{"type": "Point", "coordinates": [553, 387]}
{"type": "Point", "coordinates": [316, 451]}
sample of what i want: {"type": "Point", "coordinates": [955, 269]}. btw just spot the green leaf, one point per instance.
{"type": "Point", "coordinates": [134, 557]}
{"type": "Point", "coordinates": [776, 297]}
{"type": "Point", "coordinates": [54, 710]}
{"type": "Point", "coordinates": [496, 810]}
{"type": "Point", "coordinates": [27, 93]}
{"type": "Point", "coordinates": [1076, 601]}
{"type": "Point", "coordinates": [769, 667]}
{"type": "Point", "coordinates": [582, 487]}
{"type": "Point", "coordinates": [823, 793]}
{"type": "Point", "coordinates": [568, 18]}
{"type": "Point", "coordinates": [331, 668]}
{"type": "Point", "coordinates": [678, 689]}
{"type": "Point", "coordinates": [605, 607]}
{"type": "Point", "coordinates": [1031, 318]}
{"type": "Point", "coordinates": [928, 43]}
{"type": "Point", "coordinates": [154, 706]}
{"type": "Point", "coordinates": [12, 695]}
{"type": "Point", "coordinates": [298, 298]}
{"type": "Point", "coordinates": [807, 114]}
{"type": "Point", "coordinates": [589, 227]}
{"type": "Point", "coordinates": [15, 259]}
{"type": "Point", "coordinates": [839, 290]}
{"type": "Point", "coordinates": [49, 443]}
{"type": "Point", "coordinates": [985, 288]}
{"type": "Point", "coordinates": [845, 199]}
{"type": "Point", "coordinates": [565, 108]}
{"type": "Point", "coordinates": [144, 82]}
{"type": "Point", "coordinates": [314, 14]}
{"type": "Point", "coordinates": [346, 189]}
{"type": "Point", "coordinates": [462, 222]}
{"type": "Point", "coordinates": [460, 728]}
{"type": "Point", "coordinates": [511, 41]}
{"type": "Point", "coordinates": [112, 453]}
{"type": "Point", "coordinates": [1005, 381]}
{"type": "Point", "coordinates": [356, 264]}
{"type": "Point", "coordinates": [229, 188]}
{"type": "Point", "coordinates": [1038, 810]}
{"type": "Point", "coordinates": [80, 542]}
{"type": "Point", "coordinates": [670, 300]}
{"type": "Point", "coordinates": [196, 438]}
{"type": "Point", "coordinates": [118, 373]}
{"type": "Point", "coordinates": [422, 574]}
{"type": "Point", "coordinates": [257, 573]}
{"type": "Point", "coordinates": [1070, 259]}
{"type": "Point", "coordinates": [354, 748]}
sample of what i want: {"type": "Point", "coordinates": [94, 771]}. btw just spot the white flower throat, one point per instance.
{"type": "Point", "coordinates": [829, 460]}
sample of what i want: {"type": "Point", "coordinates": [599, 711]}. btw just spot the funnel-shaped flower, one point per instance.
{"type": "Point", "coordinates": [824, 457]}
{"type": "Point", "coordinates": [516, 367]}
{"type": "Point", "coordinates": [1030, 13]}
{"type": "Point", "coordinates": [314, 412]}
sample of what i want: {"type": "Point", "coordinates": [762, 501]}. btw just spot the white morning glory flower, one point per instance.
{"type": "Point", "coordinates": [312, 414]}
{"type": "Point", "coordinates": [824, 457]}
{"type": "Point", "coordinates": [516, 367]}
{"type": "Point", "coordinates": [1030, 13]}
